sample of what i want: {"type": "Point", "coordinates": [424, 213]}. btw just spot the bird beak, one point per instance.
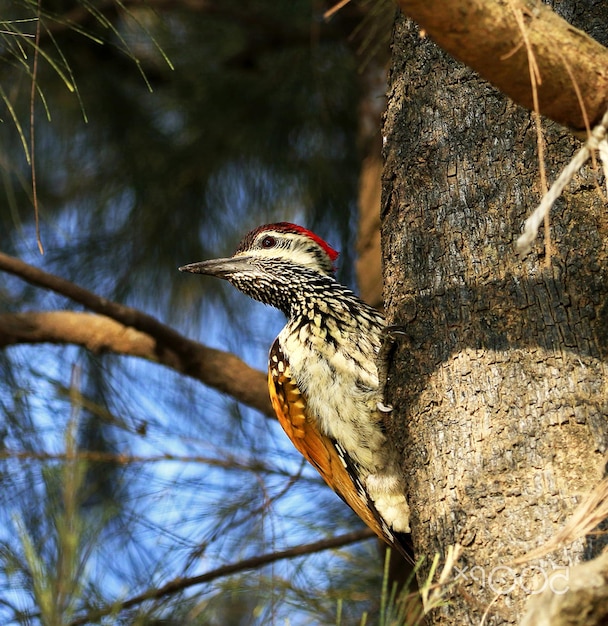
{"type": "Point", "coordinates": [222, 268]}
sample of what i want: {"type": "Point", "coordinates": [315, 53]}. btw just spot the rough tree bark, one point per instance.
{"type": "Point", "coordinates": [500, 386]}
{"type": "Point", "coordinates": [494, 37]}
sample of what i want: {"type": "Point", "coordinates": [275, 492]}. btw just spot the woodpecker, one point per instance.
{"type": "Point", "coordinates": [323, 370]}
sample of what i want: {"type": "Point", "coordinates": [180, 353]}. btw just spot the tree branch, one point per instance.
{"type": "Point", "coordinates": [487, 37]}
{"type": "Point", "coordinates": [120, 458]}
{"type": "Point", "coordinates": [179, 584]}
{"type": "Point", "coordinates": [154, 341]}
{"type": "Point", "coordinates": [123, 314]}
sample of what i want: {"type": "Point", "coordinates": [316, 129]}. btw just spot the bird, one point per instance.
{"type": "Point", "coordinates": [325, 370]}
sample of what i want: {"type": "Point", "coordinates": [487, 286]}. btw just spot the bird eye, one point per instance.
{"type": "Point", "coordinates": [268, 242]}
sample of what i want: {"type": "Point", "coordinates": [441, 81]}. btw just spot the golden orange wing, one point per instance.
{"type": "Point", "coordinates": [327, 456]}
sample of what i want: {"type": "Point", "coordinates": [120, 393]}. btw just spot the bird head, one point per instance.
{"type": "Point", "coordinates": [277, 264]}
{"type": "Point", "coordinates": [271, 246]}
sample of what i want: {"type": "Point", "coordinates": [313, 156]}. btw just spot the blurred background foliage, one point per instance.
{"type": "Point", "coordinates": [164, 131]}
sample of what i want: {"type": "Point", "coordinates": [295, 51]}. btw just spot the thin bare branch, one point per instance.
{"type": "Point", "coordinates": [179, 584]}
{"type": "Point", "coordinates": [32, 130]}
{"type": "Point", "coordinates": [96, 456]}
{"type": "Point", "coordinates": [535, 83]}
{"type": "Point", "coordinates": [155, 341]}
{"type": "Point", "coordinates": [123, 314]}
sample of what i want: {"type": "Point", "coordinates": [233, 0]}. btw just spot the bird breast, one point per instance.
{"type": "Point", "coordinates": [336, 373]}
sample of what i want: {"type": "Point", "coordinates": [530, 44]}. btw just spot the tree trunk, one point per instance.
{"type": "Point", "coordinates": [499, 387]}
{"type": "Point", "coordinates": [498, 40]}
{"type": "Point", "coordinates": [371, 109]}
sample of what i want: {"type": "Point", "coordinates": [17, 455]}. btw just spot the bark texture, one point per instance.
{"type": "Point", "coordinates": [497, 38]}
{"type": "Point", "coordinates": [500, 387]}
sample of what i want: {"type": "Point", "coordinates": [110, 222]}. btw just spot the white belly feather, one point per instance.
{"type": "Point", "coordinates": [342, 393]}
